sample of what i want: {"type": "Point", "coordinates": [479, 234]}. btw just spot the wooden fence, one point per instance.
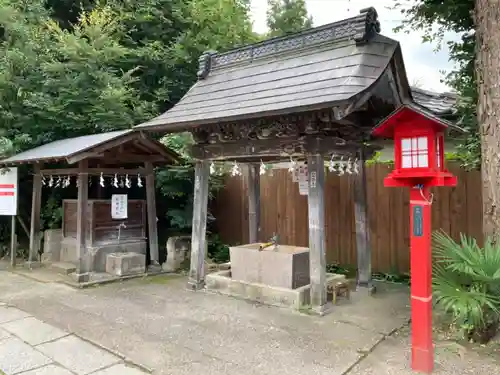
{"type": "Point", "coordinates": [284, 211]}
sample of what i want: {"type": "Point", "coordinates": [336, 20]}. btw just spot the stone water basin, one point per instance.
{"type": "Point", "coordinates": [284, 266]}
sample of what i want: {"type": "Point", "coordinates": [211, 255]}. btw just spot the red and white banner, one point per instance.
{"type": "Point", "coordinates": [8, 192]}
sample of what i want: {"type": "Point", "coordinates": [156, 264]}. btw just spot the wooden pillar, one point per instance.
{"type": "Point", "coordinates": [151, 212]}
{"type": "Point", "coordinates": [36, 202]}
{"type": "Point", "coordinates": [83, 266]}
{"type": "Point", "coordinates": [198, 238]}
{"type": "Point", "coordinates": [363, 247]}
{"type": "Point", "coordinates": [317, 258]}
{"type": "Point", "coordinates": [253, 171]}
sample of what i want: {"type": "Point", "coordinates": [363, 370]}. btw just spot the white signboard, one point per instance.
{"type": "Point", "coordinates": [303, 180]}
{"type": "Point", "coordinates": [119, 205]}
{"type": "Point", "coordinates": [8, 192]}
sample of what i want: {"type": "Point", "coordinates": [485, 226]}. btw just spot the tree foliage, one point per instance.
{"type": "Point", "coordinates": [436, 18]}
{"type": "Point", "coordinates": [287, 16]}
{"type": "Point", "coordinates": [56, 84]}
{"type": "Point", "coordinates": [72, 68]}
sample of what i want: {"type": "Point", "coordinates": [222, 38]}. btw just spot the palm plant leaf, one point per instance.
{"type": "Point", "coordinates": [466, 279]}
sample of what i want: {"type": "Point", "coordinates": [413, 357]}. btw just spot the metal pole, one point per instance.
{"type": "Point", "coordinates": [13, 241]}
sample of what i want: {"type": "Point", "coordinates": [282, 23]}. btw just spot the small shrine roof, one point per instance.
{"type": "Point", "coordinates": [74, 149]}
{"type": "Point", "coordinates": [409, 110]}
{"type": "Point", "coordinates": [315, 69]}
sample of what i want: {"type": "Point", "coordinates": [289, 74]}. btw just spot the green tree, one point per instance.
{"type": "Point", "coordinates": [476, 81]}
{"type": "Point", "coordinates": [56, 84]}
{"type": "Point", "coordinates": [287, 16]}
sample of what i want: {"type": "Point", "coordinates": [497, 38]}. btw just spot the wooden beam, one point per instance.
{"type": "Point", "coordinates": [198, 237]}
{"type": "Point", "coordinates": [36, 202]}
{"type": "Point", "coordinates": [274, 148]}
{"type": "Point", "coordinates": [363, 247]}
{"type": "Point", "coordinates": [79, 156]}
{"type": "Point", "coordinates": [93, 171]}
{"type": "Point", "coordinates": [83, 266]}
{"type": "Point", "coordinates": [23, 225]}
{"type": "Point", "coordinates": [158, 148]}
{"type": "Point", "coordinates": [130, 158]}
{"type": "Point", "coordinates": [253, 179]}
{"type": "Point", "coordinates": [317, 257]}
{"type": "Point", "coordinates": [151, 212]}
{"type": "Point", "coordinates": [394, 86]}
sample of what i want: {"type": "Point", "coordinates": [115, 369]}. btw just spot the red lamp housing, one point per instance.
{"type": "Point", "coordinates": [418, 147]}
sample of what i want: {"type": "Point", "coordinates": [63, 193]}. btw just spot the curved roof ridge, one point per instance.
{"type": "Point", "coordinates": [361, 28]}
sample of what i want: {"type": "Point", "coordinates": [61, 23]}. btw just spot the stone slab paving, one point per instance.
{"type": "Point", "coordinates": [120, 369]}
{"type": "Point", "coordinates": [77, 355]}
{"type": "Point", "coordinates": [33, 331]}
{"type": "Point", "coordinates": [49, 370]}
{"type": "Point", "coordinates": [8, 314]}
{"type": "Point", "coordinates": [164, 327]}
{"type": "Point", "coordinates": [4, 334]}
{"type": "Point", "coordinates": [16, 357]}
{"type": "Point", "coordinates": [29, 346]}
{"type": "Point", "coordinates": [393, 357]}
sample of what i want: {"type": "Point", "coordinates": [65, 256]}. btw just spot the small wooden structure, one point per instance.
{"type": "Point", "coordinates": [313, 96]}
{"type": "Point", "coordinates": [101, 227]}
{"type": "Point", "coordinates": [126, 152]}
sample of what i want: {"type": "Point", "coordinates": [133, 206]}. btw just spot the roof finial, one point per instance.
{"type": "Point", "coordinates": [371, 24]}
{"type": "Point", "coordinates": [204, 64]}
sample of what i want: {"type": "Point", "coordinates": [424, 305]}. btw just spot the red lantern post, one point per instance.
{"type": "Point", "coordinates": [419, 164]}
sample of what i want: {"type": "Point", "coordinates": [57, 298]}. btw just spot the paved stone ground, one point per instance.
{"type": "Point", "coordinates": [158, 324]}
{"type": "Point", "coordinates": [30, 346]}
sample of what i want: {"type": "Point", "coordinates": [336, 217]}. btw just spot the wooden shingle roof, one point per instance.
{"type": "Point", "coordinates": [313, 69]}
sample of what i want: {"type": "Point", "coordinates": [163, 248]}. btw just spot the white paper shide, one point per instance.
{"type": "Point", "coordinates": [119, 205]}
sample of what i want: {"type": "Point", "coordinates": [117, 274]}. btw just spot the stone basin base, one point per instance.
{"type": "Point", "coordinates": [282, 266]}
{"type": "Point", "coordinates": [221, 282]}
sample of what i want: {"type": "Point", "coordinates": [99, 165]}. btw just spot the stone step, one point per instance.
{"type": "Point", "coordinates": [63, 267]}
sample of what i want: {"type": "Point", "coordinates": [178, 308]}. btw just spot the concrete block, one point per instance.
{"type": "Point", "coordinates": [99, 253]}
{"type": "Point", "coordinates": [69, 251]}
{"type": "Point", "coordinates": [225, 266]}
{"type": "Point", "coordinates": [63, 268]}
{"type": "Point", "coordinates": [122, 264]}
{"type": "Point", "coordinates": [285, 267]}
{"type": "Point", "coordinates": [52, 242]}
{"type": "Point", "coordinates": [178, 251]}
{"type": "Point", "coordinates": [222, 282]}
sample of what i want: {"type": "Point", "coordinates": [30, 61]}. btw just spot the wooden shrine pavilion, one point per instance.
{"type": "Point", "coordinates": [118, 153]}
{"type": "Point", "coordinates": [313, 96]}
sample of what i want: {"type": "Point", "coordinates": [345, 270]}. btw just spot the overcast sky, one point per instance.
{"type": "Point", "coordinates": [423, 65]}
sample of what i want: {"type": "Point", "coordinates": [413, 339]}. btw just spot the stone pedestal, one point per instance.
{"type": "Point", "coordinates": [283, 267]}
{"type": "Point", "coordinates": [98, 254]}
{"type": "Point", "coordinates": [178, 251]}
{"type": "Point", "coordinates": [52, 239]}
{"type": "Point", "coordinates": [124, 264]}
